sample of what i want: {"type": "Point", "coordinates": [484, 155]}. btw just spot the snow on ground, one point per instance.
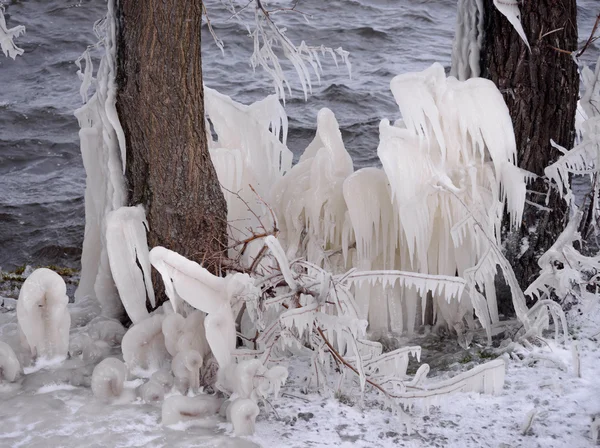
{"type": "Point", "coordinates": [54, 406]}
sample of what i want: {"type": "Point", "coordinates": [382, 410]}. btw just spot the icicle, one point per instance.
{"type": "Point", "coordinates": [468, 39]}
{"type": "Point", "coordinates": [102, 150]}
{"type": "Point", "coordinates": [510, 10]}
{"type": "Point", "coordinates": [127, 248]}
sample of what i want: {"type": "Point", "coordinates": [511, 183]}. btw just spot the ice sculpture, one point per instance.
{"type": "Point", "coordinates": [43, 316]}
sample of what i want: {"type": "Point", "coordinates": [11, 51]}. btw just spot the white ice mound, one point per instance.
{"type": "Point", "coordinates": [179, 408]}
{"type": "Point", "coordinates": [127, 250]}
{"type": "Point", "coordinates": [251, 379]}
{"type": "Point", "coordinates": [144, 348]}
{"type": "Point", "coordinates": [108, 379]}
{"type": "Point", "coordinates": [43, 316]}
{"type": "Point", "coordinates": [242, 414]}
{"type": "Point", "coordinates": [151, 391]}
{"type": "Point", "coordinates": [10, 368]}
{"type": "Point", "coordinates": [187, 280]}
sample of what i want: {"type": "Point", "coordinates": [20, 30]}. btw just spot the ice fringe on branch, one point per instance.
{"type": "Point", "coordinates": [584, 158]}
{"type": "Point", "coordinates": [268, 36]}
{"type": "Point", "coordinates": [7, 36]}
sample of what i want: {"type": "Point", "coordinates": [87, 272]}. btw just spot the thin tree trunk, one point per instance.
{"type": "Point", "coordinates": [541, 89]}
{"type": "Point", "coordinates": [160, 105]}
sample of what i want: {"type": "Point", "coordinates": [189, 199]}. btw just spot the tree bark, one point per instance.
{"type": "Point", "coordinates": [161, 108]}
{"type": "Point", "coordinates": [541, 89]}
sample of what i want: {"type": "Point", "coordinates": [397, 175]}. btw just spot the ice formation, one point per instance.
{"type": "Point", "coordinates": [108, 379]}
{"type": "Point", "coordinates": [151, 391]}
{"type": "Point", "coordinates": [103, 153]}
{"type": "Point", "coordinates": [583, 159]}
{"type": "Point", "coordinates": [268, 36]}
{"type": "Point", "coordinates": [143, 346]}
{"type": "Point", "coordinates": [10, 367]}
{"type": "Point", "coordinates": [44, 319]}
{"type": "Point", "coordinates": [179, 408]}
{"type": "Point", "coordinates": [186, 368]}
{"type": "Point", "coordinates": [7, 36]}
{"type": "Point", "coordinates": [249, 150]}
{"type": "Point", "coordinates": [187, 281]}
{"type": "Point", "coordinates": [435, 208]}
{"type": "Point", "coordinates": [242, 413]}
{"type": "Point", "coordinates": [127, 249]}
{"type": "Point", "coordinates": [468, 38]}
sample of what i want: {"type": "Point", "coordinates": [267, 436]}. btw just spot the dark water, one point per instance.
{"type": "Point", "coordinates": [41, 175]}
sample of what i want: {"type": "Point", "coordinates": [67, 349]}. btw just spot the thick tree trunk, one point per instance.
{"type": "Point", "coordinates": [541, 89]}
{"type": "Point", "coordinates": [160, 105]}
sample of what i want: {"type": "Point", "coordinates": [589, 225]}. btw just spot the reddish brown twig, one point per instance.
{"type": "Point", "coordinates": [591, 38]}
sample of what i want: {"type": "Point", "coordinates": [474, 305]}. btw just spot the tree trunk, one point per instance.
{"type": "Point", "coordinates": [160, 102]}
{"type": "Point", "coordinates": [541, 89]}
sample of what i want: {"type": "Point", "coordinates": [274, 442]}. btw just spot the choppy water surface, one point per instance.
{"type": "Point", "coordinates": [41, 174]}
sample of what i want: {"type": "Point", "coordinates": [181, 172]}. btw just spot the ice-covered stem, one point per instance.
{"type": "Point", "coordinates": [268, 35]}
{"type": "Point", "coordinates": [43, 316]}
{"type": "Point", "coordinates": [241, 246]}
{"type": "Point", "coordinates": [7, 36]}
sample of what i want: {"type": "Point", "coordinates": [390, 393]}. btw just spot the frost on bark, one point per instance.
{"type": "Point", "coordinates": [160, 105]}
{"type": "Point", "coordinates": [541, 89]}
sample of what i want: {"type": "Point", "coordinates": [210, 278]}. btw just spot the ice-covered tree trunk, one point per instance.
{"type": "Point", "coordinates": [160, 105]}
{"type": "Point", "coordinates": [541, 89]}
